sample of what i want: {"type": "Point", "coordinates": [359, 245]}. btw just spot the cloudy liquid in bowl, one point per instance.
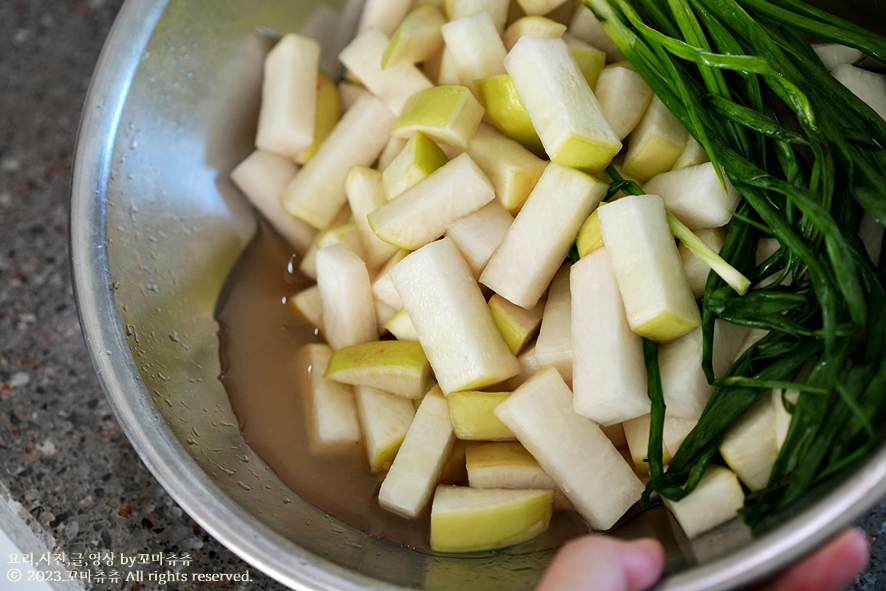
{"type": "Point", "coordinates": [261, 370]}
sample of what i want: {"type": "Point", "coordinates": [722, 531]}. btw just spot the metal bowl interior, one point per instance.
{"type": "Point", "coordinates": [155, 227]}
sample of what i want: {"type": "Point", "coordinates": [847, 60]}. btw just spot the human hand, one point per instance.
{"type": "Point", "coordinates": [600, 563]}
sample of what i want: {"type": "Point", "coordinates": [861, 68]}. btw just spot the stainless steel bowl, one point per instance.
{"type": "Point", "coordinates": [155, 227]}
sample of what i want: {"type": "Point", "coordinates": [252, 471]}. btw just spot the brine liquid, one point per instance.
{"type": "Point", "coordinates": [259, 339]}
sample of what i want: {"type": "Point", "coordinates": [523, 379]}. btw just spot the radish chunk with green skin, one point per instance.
{"type": "Point", "coordinates": [309, 305]}
{"type": "Point", "coordinates": [538, 241]}
{"type": "Point", "coordinates": [590, 60]}
{"type": "Point", "coordinates": [504, 465]}
{"type": "Point", "coordinates": [262, 176]}
{"type": "Point", "coordinates": [289, 96]}
{"type": "Point", "coordinates": [532, 26]}
{"type": "Point", "coordinates": [365, 192]}
{"type": "Point", "coordinates": [517, 325]}
{"type": "Point", "coordinates": [399, 368]}
{"type": "Point", "coordinates": [497, 10]}
{"type": "Point", "coordinates": [624, 97]}
{"type": "Point", "coordinates": [415, 162]}
{"type": "Point", "coordinates": [563, 110]}
{"type": "Point", "coordinates": [571, 449]}
{"type": "Point", "coordinates": [418, 464]}
{"type": "Point", "coordinates": [383, 15]}
{"type": "Point", "coordinates": [391, 150]}
{"type": "Point", "coordinates": [347, 235]}
{"type": "Point", "coordinates": [422, 214]}
{"type": "Point", "coordinates": [317, 192]}
{"type": "Point", "coordinates": [382, 288]}
{"type": "Point", "coordinates": [448, 114]}
{"type": "Point", "coordinates": [384, 421]}
{"type": "Point", "coordinates": [507, 112]}
{"type": "Point", "coordinates": [475, 46]}
{"type": "Point", "coordinates": [697, 271]}
{"type": "Point", "coordinates": [696, 196]}
{"type": "Point", "coordinates": [609, 370]}
{"type": "Point", "coordinates": [348, 308]}
{"type": "Point", "coordinates": [513, 169]}
{"type": "Point", "coordinates": [454, 325]}
{"type": "Point", "coordinates": [328, 113]}
{"type": "Point", "coordinates": [656, 143]}
{"type": "Point", "coordinates": [465, 519]}
{"type": "Point", "coordinates": [648, 268]}
{"type": "Point", "coordinates": [586, 27]}
{"type": "Point", "coordinates": [393, 85]}
{"type": "Point", "coordinates": [715, 501]}
{"type": "Point", "coordinates": [534, 7]}
{"type": "Point", "coordinates": [478, 235]}
{"type": "Point", "coordinates": [473, 419]}
{"type": "Point", "coordinates": [400, 325]}
{"type": "Point", "coordinates": [749, 446]}
{"type": "Point", "coordinates": [554, 344]}
{"type": "Point", "coordinates": [685, 387]}
{"type": "Point", "coordinates": [870, 87]}
{"type": "Point", "coordinates": [332, 411]}
{"type": "Point", "coordinates": [417, 39]}
{"type": "Point", "coordinates": [589, 236]}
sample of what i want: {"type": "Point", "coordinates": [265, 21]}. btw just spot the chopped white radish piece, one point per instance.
{"type": "Point", "coordinates": [289, 96]}
{"type": "Point", "coordinates": [383, 288]}
{"type": "Point", "coordinates": [528, 366]}
{"type": "Point", "coordinates": [533, 7]}
{"type": "Point", "coordinates": [697, 271]}
{"type": "Point", "coordinates": [332, 412]}
{"type": "Point", "coordinates": [870, 87]}
{"type": "Point", "coordinates": [656, 143]}
{"type": "Point", "coordinates": [317, 192]}
{"type": "Point", "coordinates": [504, 465]}
{"type": "Point", "coordinates": [262, 176]}
{"type": "Point", "coordinates": [496, 9]}
{"type": "Point", "coordinates": [730, 342]}
{"type": "Point", "coordinates": [648, 268]}
{"type": "Point", "coordinates": [447, 73]}
{"type": "Point", "coordinates": [624, 97]}
{"type": "Point", "coordinates": [540, 237]}
{"type": "Point", "coordinates": [347, 235]}
{"type": "Point", "coordinates": [513, 169]}
{"type": "Point", "coordinates": [418, 464]}
{"type": "Point", "coordinates": [423, 213]}
{"type": "Point", "coordinates": [348, 308]}
{"type": "Point", "coordinates": [834, 54]}
{"type": "Point", "coordinates": [563, 110]}
{"type": "Point", "coordinates": [475, 46]}
{"type": "Point", "coordinates": [384, 421]}
{"type": "Point", "coordinates": [571, 449]}
{"type": "Point", "coordinates": [349, 93]}
{"type": "Point", "coordinates": [609, 370]}
{"type": "Point", "coordinates": [391, 150]}
{"type": "Point", "coordinates": [400, 325]}
{"type": "Point", "coordinates": [749, 445]}
{"type": "Point", "coordinates": [365, 192]}
{"type": "Point", "coordinates": [328, 112]}
{"type": "Point", "coordinates": [396, 367]}
{"type": "Point", "coordinates": [477, 235]}
{"type": "Point", "coordinates": [417, 39]}
{"type": "Point", "coordinates": [384, 15]}
{"type": "Point", "coordinates": [554, 344]}
{"type": "Point", "coordinates": [448, 114]}
{"type": "Point", "coordinates": [676, 429]}
{"type": "Point", "coordinates": [590, 60]}
{"type": "Point", "coordinates": [517, 325]}
{"type": "Point", "coordinates": [473, 419]}
{"type": "Point", "coordinates": [419, 157]}
{"type": "Point", "coordinates": [586, 27]}
{"type": "Point", "coordinates": [685, 387]}
{"type": "Point", "coordinates": [452, 319]}
{"type": "Point", "coordinates": [713, 502]}
{"type": "Point", "coordinates": [394, 85]}
{"type": "Point", "coordinates": [637, 438]}
{"type": "Point", "coordinates": [532, 26]}
{"type": "Point", "coordinates": [871, 233]}
{"type": "Point", "coordinates": [696, 196]}
{"type": "Point", "coordinates": [692, 155]}
{"type": "Point", "coordinates": [309, 304]}
{"type": "Point", "coordinates": [465, 519]}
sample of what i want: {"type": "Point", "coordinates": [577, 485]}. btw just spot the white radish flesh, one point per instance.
{"type": "Point", "coordinates": [348, 308]}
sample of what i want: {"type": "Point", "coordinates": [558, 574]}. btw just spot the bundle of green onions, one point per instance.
{"type": "Point", "coordinates": [808, 157]}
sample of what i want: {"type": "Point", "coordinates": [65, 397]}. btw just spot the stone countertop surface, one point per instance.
{"type": "Point", "coordinates": [70, 482]}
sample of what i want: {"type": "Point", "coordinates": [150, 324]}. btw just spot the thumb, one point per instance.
{"type": "Point", "coordinates": [601, 563]}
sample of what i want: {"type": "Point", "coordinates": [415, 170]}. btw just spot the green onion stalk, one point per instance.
{"type": "Point", "coordinates": [807, 156]}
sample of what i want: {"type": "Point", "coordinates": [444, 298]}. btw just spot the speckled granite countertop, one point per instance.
{"type": "Point", "coordinates": [70, 482]}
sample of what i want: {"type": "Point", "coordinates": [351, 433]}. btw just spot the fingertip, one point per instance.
{"type": "Point", "coordinates": [643, 562]}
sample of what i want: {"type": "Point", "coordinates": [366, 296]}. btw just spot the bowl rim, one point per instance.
{"type": "Point", "coordinates": [195, 491]}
